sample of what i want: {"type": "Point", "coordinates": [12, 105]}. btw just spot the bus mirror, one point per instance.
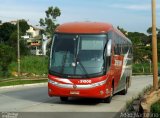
{"type": "Point", "coordinates": [109, 47]}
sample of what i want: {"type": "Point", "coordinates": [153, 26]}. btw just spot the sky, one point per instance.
{"type": "Point", "coordinates": [132, 15]}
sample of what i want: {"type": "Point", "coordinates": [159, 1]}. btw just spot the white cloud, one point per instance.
{"type": "Point", "coordinates": [142, 7]}
{"type": "Point", "coordinates": [139, 7]}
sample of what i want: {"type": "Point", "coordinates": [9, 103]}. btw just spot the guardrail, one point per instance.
{"type": "Point", "coordinates": [142, 73]}
{"type": "Point", "coordinates": [28, 78]}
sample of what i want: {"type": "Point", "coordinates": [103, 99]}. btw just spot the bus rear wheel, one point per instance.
{"type": "Point", "coordinates": [125, 90]}
{"type": "Point", "coordinates": [63, 99]}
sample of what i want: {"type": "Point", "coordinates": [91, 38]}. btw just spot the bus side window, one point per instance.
{"type": "Point", "coordinates": [123, 46]}
{"type": "Point", "coordinates": [110, 36]}
{"type": "Point", "coordinates": [116, 48]}
{"type": "Point", "coordinates": [119, 45]}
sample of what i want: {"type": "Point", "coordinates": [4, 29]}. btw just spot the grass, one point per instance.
{"type": "Point", "coordinates": [39, 65]}
{"type": "Point", "coordinates": [155, 108]}
{"type": "Point", "coordinates": [21, 82]}
{"type": "Point", "coordinates": [129, 104]}
{"type": "Point", "coordinates": [143, 68]}
{"type": "Point", "coordinates": [31, 64]}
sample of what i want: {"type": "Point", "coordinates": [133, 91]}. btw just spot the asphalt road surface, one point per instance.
{"type": "Point", "coordinates": [35, 99]}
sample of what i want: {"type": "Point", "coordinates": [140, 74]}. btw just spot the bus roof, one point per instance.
{"type": "Point", "coordinates": [84, 28]}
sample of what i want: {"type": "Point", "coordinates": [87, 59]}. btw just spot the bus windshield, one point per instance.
{"type": "Point", "coordinates": [77, 56]}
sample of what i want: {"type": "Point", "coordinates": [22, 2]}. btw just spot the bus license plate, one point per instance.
{"type": "Point", "coordinates": [74, 92]}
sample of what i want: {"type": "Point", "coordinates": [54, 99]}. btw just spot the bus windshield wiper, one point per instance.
{"type": "Point", "coordinates": [85, 71]}
{"type": "Point", "coordinates": [77, 59]}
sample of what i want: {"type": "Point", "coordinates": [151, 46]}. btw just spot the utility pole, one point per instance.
{"type": "Point", "coordinates": [18, 50]}
{"type": "Point", "coordinates": [154, 47]}
{"type": "Point", "coordinates": [150, 66]}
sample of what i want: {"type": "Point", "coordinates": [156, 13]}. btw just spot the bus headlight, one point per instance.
{"type": "Point", "coordinates": [52, 82]}
{"type": "Point", "coordinates": [99, 83]}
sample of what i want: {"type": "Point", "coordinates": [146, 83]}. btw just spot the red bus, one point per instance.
{"type": "Point", "coordinates": [89, 59]}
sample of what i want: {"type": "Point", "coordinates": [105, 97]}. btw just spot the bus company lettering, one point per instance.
{"type": "Point", "coordinates": [85, 81]}
{"type": "Point", "coordinates": [118, 63]}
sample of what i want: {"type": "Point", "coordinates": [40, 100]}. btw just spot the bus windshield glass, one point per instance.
{"type": "Point", "coordinates": [77, 55]}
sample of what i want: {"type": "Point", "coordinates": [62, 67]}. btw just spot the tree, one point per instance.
{"type": "Point", "coordinates": [8, 44]}
{"type": "Point", "coordinates": [6, 30]}
{"type": "Point", "coordinates": [0, 22]}
{"type": "Point", "coordinates": [149, 30]}
{"type": "Point", "coordinates": [141, 51]}
{"type": "Point", "coordinates": [122, 30]}
{"type": "Point", "coordinates": [23, 26]}
{"type": "Point", "coordinates": [24, 50]}
{"type": "Point", "coordinates": [158, 35]}
{"type": "Point", "coordinates": [139, 38]}
{"type": "Point", "coordinates": [50, 20]}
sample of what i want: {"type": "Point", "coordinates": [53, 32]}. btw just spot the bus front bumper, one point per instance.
{"type": "Point", "coordinates": [101, 91]}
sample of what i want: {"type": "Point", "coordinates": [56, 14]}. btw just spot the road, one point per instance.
{"type": "Point", "coordinates": [36, 99]}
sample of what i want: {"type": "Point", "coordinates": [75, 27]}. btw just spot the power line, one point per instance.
{"type": "Point", "coordinates": [6, 17]}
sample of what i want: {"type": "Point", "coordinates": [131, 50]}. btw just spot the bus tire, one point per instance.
{"type": "Point", "coordinates": [125, 90]}
{"type": "Point", "coordinates": [109, 99]}
{"type": "Point", "coordinates": [63, 99]}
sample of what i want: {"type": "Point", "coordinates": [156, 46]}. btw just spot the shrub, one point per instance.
{"type": "Point", "coordinates": [32, 64]}
{"type": "Point", "coordinates": [7, 54]}
{"type": "Point", "coordinates": [155, 108]}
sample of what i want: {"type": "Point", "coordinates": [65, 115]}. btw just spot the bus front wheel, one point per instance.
{"type": "Point", "coordinates": [109, 99]}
